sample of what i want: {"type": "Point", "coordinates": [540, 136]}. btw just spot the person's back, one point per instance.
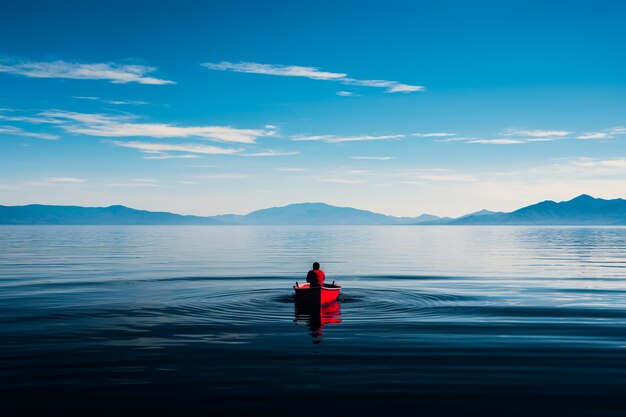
{"type": "Point", "coordinates": [316, 276]}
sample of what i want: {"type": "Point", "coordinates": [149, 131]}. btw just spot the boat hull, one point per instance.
{"type": "Point", "coordinates": [317, 295]}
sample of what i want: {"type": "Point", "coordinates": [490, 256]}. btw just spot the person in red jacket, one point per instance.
{"type": "Point", "coordinates": [316, 276]}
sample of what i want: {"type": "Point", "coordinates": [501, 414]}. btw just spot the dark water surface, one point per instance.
{"type": "Point", "coordinates": [432, 320]}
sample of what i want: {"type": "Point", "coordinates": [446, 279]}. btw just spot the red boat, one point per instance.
{"type": "Point", "coordinates": [317, 295]}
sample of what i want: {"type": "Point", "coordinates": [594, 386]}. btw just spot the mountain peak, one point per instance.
{"type": "Point", "coordinates": [583, 197]}
{"type": "Point", "coordinates": [308, 204]}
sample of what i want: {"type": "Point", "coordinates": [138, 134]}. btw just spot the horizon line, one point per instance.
{"type": "Point", "coordinates": [294, 204]}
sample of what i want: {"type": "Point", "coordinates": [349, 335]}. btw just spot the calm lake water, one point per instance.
{"type": "Point", "coordinates": [431, 320]}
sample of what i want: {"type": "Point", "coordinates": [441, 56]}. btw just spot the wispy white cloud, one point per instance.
{"type": "Point", "coordinates": [16, 131]}
{"type": "Point", "coordinates": [537, 133]}
{"type": "Point", "coordinates": [617, 163]}
{"type": "Point", "coordinates": [114, 102]}
{"type": "Point", "coordinates": [16, 117]}
{"type": "Point", "coordinates": [163, 155]}
{"type": "Point", "coordinates": [105, 125]}
{"type": "Point", "coordinates": [124, 102]}
{"type": "Point", "coordinates": [497, 141]}
{"type": "Point", "coordinates": [360, 138]}
{"type": "Point", "coordinates": [288, 169]}
{"type": "Point", "coordinates": [151, 147]}
{"type": "Point", "coordinates": [605, 134]}
{"type": "Point", "coordinates": [432, 135]}
{"type": "Point", "coordinates": [509, 140]}
{"type": "Point", "coordinates": [593, 135]}
{"type": "Point", "coordinates": [345, 94]}
{"type": "Point", "coordinates": [390, 86]}
{"type": "Point", "coordinates": [373, 158]}
{"type": "Point", "coordinates": [60, 117]}
{"type": "Point", "coordinates": [552, 139]}
{"type": "Point", "coordinates": [513, 137]}
{"type": "Point", "coordinates": [312, 73]}
{"type": "Point", "coordinates": [269, 69]}
{"type": "Point", "coordinates": [271, 153]}
{"type": "Point", "coordinates": [458, 139]}
{"type": "Point", "coordinates": [338, 139]}
{"type": "Point", "coordinates": [112, 72]}
{"type": "Point", "coordinates": [87, 98]}
{"type": "Point", "coordinates": [64, 180]}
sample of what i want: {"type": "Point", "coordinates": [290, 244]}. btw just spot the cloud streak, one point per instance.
{"type": "Point", "coordinates": [497, 141]}
{"type": "Point", "coordinates": [311, 73]}
{"type": "Point", "coordinates": [64, 180]}
{"type": "Point", "coordinates": [26, 119]}
{"type": "Point", "coordinates": [104, 125]}
{"type": "Point", "coordinates": [591, 135]}
{"type": "Point", "coordinates": [271, 153]}
{"type": "Point", "coordinates": [16, 131]}
{"type": "Point", "coordinates": [191, 148]}
{"type": "Point", "coordinates": [606, 134]}
{"type": "Point", "coordinates": [268, 69]}
{"type": "Point", "coordinates": [114, 102]}
{"type": "Point", "coordinates": [513, 136]}
{"type": "Point", "coordinates": [163, 155]}
{"type": "Point", "coordinates": [538, 133]}
{"type": "Point", "coordinates": [373, 158]}
{"type": "Point", "coordinates": [614, 163]}
{"type": "Point", "coordinates": [114, 73]}
{"type": "Point", "coordinates": [361, 138]}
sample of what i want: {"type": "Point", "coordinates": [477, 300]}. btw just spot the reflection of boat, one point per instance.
{"type": "Point", "coordinates": [317, 295]}
{"type": "Point", "coordinates": [317, 316]}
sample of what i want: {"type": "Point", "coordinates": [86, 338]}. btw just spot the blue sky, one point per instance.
{"type": "Point", "coordinates": [442, 107]}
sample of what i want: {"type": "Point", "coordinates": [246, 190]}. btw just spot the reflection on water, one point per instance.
{"type": "Point", "coordinates": [449, 321]}
{"type": "Point", "coordinates": [107, 253]}
{"type": "Point", "coordinates": [317, 316]}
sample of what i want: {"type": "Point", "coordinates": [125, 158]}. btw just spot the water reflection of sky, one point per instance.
{"type": "Point", "coordinates": [155, 252]}
{"type": "Point", "coordinates": [210, 312]}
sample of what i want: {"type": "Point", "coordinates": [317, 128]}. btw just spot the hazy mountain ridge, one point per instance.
{"type": "Point", "coordinates": [77, 215]}
{"type": "Point", "coordinates": [582, 210]}
{"type": "Point", "coordinates": [318, 214]}
{"type": "Point", "coordinates": [311, 213]}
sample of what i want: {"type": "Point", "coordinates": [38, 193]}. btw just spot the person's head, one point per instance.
{"type": "Point", "coordinates": [316, 265]}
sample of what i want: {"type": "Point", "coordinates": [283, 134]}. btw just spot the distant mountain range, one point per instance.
{"type": "Point", "coordinates": [582, 210]}
{"type": "Point", "coordinates": [320, 213]}
{"type": "Point", "coordinates": [41, 214]}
